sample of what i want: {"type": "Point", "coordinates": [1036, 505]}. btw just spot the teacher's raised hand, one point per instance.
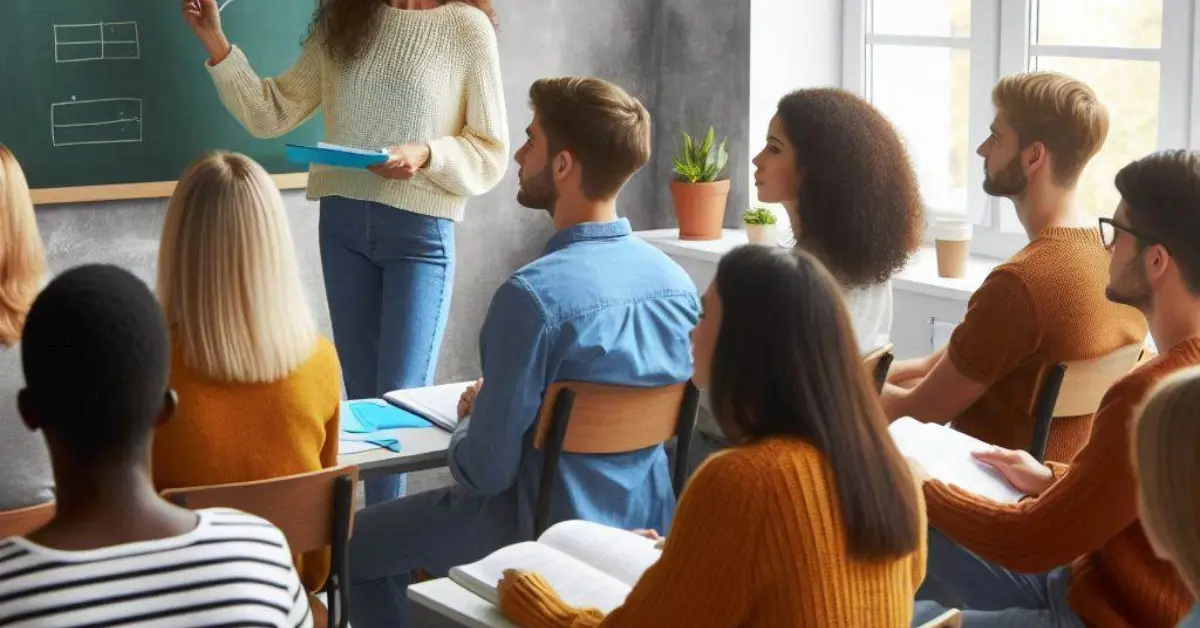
{"type": "Point", "coordinates": [204, 18]}
{"type": "Point", "coordinates": [403, 161]}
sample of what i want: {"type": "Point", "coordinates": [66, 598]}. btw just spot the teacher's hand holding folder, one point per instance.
{"type": "Point", "coordinates": [403, 161]}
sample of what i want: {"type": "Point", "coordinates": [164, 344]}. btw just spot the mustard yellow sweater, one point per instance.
{"type": "Point", "coordinates": [225, 432]}
{"type": "Point", "coordinates": [758, 541]}
{"type": "Point", "coordinates": [428, 76]}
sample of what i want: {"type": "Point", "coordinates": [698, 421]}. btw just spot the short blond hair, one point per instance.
{"type": "Point", "coordinates": [1059, 111]}
{"type": "Point", "coordinates": [227, 274]}
{"type": "Point", "coordinates": [604, 128]}
{"type": "Point", "coordinates": [22, 256]}
{"type": "Point", "coordinates": [1168, 468]}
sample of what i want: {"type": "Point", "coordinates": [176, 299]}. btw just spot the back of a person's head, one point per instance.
{"type": "Point", "coordinates": [864, 232]}
{"type": "Point", "coordinates": [1162, 192]}
{"type": "Point", "coordinates": [22, 257]}
{"type": "Point", "coordinates": [96, 358]}
{"type": "Point", "coordinates": [605, 129]}
{"type": "Point", "coordinates": [786, 364]}
{"type": "Point", "coordinates": [227, 274]}
{"type": "Point", "coordinates": [1061, 112]}
{"type": "Point", "coordinates": [1165, 445]}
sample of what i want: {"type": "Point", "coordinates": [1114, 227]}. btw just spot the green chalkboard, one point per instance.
{"type": "Point", "coordinates": [103, 92]}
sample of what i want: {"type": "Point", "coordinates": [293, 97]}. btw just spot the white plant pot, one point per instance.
{"type": "Point", "coordinates": [762, 234]}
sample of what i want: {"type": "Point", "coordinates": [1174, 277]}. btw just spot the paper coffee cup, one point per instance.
{"type": "Point", "coordinates": [952, 238]}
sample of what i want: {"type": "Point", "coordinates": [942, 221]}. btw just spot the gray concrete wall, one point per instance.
{"type": "Point", "coordinates": [687, 60]}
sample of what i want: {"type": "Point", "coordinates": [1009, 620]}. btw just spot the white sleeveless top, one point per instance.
{"type": "Point", "coordinates": [871, 314]}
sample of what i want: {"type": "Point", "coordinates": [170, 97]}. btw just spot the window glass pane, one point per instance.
{"type": "Point", "coordinates": [1122, 23]}
{"type": "Point", "coordinates": [929, 18]}
{"type": "Point", "coordinates": [1130, 91]}
{"type": "Point", "coordinates": [925, 91]}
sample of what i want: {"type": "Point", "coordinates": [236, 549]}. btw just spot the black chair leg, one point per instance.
{"type": "Point", "coordinates": [552, 450]}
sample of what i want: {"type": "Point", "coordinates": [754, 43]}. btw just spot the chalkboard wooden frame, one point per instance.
{"type": "Point", "coordinates": [128, 191]}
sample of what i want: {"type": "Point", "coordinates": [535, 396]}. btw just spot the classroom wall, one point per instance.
{"type": "Point", "coordinates": [686, 59]}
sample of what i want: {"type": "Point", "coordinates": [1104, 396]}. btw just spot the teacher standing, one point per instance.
{"type": "Point", "coordinates": [421, 77]}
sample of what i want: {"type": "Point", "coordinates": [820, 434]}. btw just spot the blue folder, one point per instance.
{"type": "Point", "coordinates": [332, 155]}
{"type": "Point", "coordinates": [372, 415]}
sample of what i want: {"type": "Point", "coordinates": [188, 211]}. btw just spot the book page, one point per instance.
{"type": "Point", "coordinates": [575, 582]}
{"type": "Point", "coordinates": [618, 553]}
{"type": "Point", "coordinates": [438, 404]}
{"type": "Point", "coordinates": [946, 455]}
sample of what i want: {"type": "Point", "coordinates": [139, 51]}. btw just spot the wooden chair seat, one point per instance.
{"type": "Point", "coordinates": [22, 521]}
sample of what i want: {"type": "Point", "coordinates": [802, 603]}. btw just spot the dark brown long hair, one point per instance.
{"type": "Point", "coordinates": [786, 364]}
{"type": "Point", "coordinates": [860, 209]}
{"type": "Point", "coordinates": [346, 27]}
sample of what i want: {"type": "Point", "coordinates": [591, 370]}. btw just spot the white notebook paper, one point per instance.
{"type": "Point", "coordinates": [589, 565]}
{"type": "Point", "coordinates": [946, 455]}
{"type": "Point", "coordinates": [438, 404]}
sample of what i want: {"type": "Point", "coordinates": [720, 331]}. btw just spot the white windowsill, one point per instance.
{"type": "Point", "coordinates": [920, 276]}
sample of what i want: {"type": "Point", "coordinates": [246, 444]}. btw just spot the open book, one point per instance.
{"type": "Point", "coordinates": [946, 455]}
{"type": "Point", "coordinates": [588, 564]}
{"type": "Point", "coordinates": [437, 404]}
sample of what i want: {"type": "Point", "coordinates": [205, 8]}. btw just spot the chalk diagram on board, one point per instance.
{"type": "Point", "coordinates": [77, 122]}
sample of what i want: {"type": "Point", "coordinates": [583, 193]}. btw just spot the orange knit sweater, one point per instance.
{"type": "Point", "coordinates": [1044, 305]}
{"type": "Point", "coordinates": [226, 432]}
{"type": "Point", "coordinates": [758, 541]}
{"type": "Point", "coordinates": [1087, 518]}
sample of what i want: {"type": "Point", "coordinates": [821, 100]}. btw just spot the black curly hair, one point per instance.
{"type": "Point", "coordinates": [859, 205]}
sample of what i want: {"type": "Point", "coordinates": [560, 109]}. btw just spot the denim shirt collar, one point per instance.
{"type": "Point", "coordinates": [588, 231]}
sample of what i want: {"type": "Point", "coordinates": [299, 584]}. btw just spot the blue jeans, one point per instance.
{"type": "Point", "coordinates": [990, 595]}
{"type": "Point", "coordinates": [389, 274]}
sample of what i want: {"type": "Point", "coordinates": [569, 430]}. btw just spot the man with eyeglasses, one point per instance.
{"type": "Point", "coordinates": [1076, 554]}
{"type": "Point", "coordinates": [1045, 304]}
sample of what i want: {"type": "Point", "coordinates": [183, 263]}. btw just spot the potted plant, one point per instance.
{"type": "Point", "coordinates": [700, 187]}
{"type": "Point", "coordinates": [759, 223]}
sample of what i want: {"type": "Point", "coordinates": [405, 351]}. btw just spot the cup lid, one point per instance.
{"type": "Point", "coordinates": [951, 229]}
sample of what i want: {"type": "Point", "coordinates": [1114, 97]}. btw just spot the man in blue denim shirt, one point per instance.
{"type": "Point", "coordinates": [598, 306]}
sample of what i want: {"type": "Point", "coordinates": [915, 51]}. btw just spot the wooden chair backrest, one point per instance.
{"type": "Point", "coordinates": [949, 619]}
{"type": "Point", "coordinates": [1085, 382]}
{"type": "Point", "coordinates": [22, 521]}
{"type": "Point", "coordinates": [299, 505]}
{"type": "Point", "coordinates": [613, 419]}
{"type": "Point", "coordinates": [878, 362]}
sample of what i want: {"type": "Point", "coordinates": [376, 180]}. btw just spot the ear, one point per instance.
{"type": "Point", "coordinates": [1036, 157]}
{"type": "Point", "coordinates": [1155, 262]}
{"type": "Point", "coordinates": [564, 163]}
{"type": "Point", "coordinates": [25, 408]}
{"type": "Point", "coordinates": [170, 403]}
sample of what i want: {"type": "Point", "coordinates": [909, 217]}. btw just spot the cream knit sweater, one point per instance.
{"type": "Point", "coordinates": [429, 76]}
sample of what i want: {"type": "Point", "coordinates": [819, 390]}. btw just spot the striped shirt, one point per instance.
{"type": "Point", "coordinates": [232, 569]}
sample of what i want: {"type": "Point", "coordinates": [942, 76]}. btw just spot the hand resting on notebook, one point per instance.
{"type": "Point", "coordinates": [1019, 467]}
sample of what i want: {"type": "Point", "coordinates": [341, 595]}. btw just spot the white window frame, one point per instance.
{"type": "Point", "coordinates": [999, 44]}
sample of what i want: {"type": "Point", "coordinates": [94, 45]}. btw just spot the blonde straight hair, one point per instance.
{"type": "Point", "coordinates": [22, 258]}
{"type": "Point", "coordinates": [227, 275]}
{"type": "Point", "coordinates": [1168, 469]}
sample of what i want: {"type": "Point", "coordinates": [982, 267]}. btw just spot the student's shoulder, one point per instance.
{"type": "Point", "coordinates": [761, 467]}
{"type": "Point", "coordinates": [472, 24]}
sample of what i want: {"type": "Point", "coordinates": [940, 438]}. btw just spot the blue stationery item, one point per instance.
{"type": "Point", "coordinates": [389, 444]}
{"type": "Point", "coordinates": [372, 415]}
{"type": "Point", "coordinates": [334, 155]}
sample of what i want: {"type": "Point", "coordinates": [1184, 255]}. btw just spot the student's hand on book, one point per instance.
{"type": "Point", "coordinates": [403, 161]}
{"type": "Point", "coordinates": [1017, 466]}
{"type": "Point", "coordinates": [204, 18]}
{"type": "Point", "coordinates": [466, 403]}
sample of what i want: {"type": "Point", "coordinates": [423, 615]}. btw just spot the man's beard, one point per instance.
{"type": "Point", "coordinates": [1131, 287]}
{"type": "Point", "coordinates": [538, 192]}
{"type": "Point", "coordinates": [1010, 181]}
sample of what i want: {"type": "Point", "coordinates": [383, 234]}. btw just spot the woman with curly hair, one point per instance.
{"type": "Point", "coordinates": [420, 78]}
{"type": "Point", "coordinates": [844, 175]}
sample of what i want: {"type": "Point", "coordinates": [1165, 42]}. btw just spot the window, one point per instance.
{"type": "Point", "coordinates": [930, 66]}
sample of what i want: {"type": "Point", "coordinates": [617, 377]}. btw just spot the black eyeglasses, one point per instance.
{"type": "Point", "coordinates": [1109, 229]}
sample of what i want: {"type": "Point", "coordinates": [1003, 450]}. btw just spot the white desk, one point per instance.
{"type": "Point", "coordinates": [421, 448]}
{"type": "Point", "coordinates": [458, 606]}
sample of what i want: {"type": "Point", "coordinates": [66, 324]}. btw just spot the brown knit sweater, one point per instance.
{"type": "Point", "coordinates": [1088, 518]}
{"type": "Point", "coordinates": [1043, 306]}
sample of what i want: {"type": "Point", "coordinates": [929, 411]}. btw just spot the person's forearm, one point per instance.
{"type": "Point", "coordinates": [218, 47]}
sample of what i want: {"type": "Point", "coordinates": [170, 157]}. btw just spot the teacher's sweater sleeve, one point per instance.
{"type": "Point", "coordinates": [473, 161]}
{"type": "Point", "coordinates": [273, 106]}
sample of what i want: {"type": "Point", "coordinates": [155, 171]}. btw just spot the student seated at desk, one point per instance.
{"type": "Point", "coordinates": [259, 388]}
{"type": "Point", "coordinates": [598, 306]}
{"type": "Point", "coordinates": [96, 356]}
{"type": "Point", "coordinates": [1076, 554]}
{"type": "Point", "coordinates": [1166, 440]}
{"type": "Point", "coordinates": [812, 518]}
{"type": "Point", "coordinates": [819, 140]}
{"type": "Point", "coordinates": [25, 476]}
{"type": "Point", "coordinates": [1046, 303]}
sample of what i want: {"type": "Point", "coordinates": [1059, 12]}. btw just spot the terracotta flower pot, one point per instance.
{"type": "Point", "coordinates": [762, 234]}
{"type": "Point", "coordinates": [700, 208]}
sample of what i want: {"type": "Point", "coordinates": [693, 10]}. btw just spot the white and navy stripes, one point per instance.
{"type": "Point", "coordinates": [232, 569]}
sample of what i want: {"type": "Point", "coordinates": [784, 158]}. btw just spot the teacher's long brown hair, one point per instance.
{"type": "Point", "coordinates": [786, 364]}
{"type": "Point", "coordinates": [345, 27]}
